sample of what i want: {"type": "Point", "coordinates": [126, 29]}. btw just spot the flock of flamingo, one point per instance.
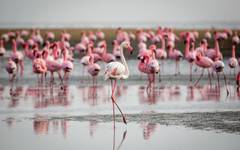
{"type": "Point", "coordinates": [49, 55]}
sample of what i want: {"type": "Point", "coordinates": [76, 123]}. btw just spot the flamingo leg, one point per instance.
{"type": "Point", "coordinates": [21, 68]}
{"type": "Point", "coordinates": [209, 77]}
{"type": "Point", "coordinates": [176, 68]}
{"type": "Point", "coordinates": [113, 107]}
{"type": "Point", "coordinates": [113, 100]}
{"type": "Point", "coordinates": [190, 71]}
{"type": "Point", "coordinates": [225, 80]}
{"type": "Point", "coordinates": [218, 79]}
{"type": "Point", "coordinates": [199, 78]}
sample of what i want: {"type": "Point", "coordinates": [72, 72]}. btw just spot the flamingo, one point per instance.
{"type": "Point", "coordinates": [175, 55]}
{"type": "Point", "coordinates": [116, 71]}
{"type": "Point", "coordinates": [215, 53]}
{"type": "Point", "coordinates": [218, 67]}
{"type": "Point", "coordinates": [204, 63]}
{"type": "Point", "coordinates": [39, 65]}
{"type": "Point", "coordinates": [93, 68]}
{"type": "Point", "coordinates": [161, 53]}
{"type": "Point", "coordinates": [52, 65]}
{"type": "Point", "coordinates": [116, 49]}
{"type": "Point", "coordinates": [232, 62]}
{"type": "Point", "coordinates": [107, 57]}
{"type": "Point", "coordinates": [2, 48]}
{"type": "Point", "coordinates": [189, 55]}
{"type": "Point", "coordinates": [17, 57]}
{"type": "Point", "coordinates": [67, 65]}
{"type": "Point", "coordinates": [11, 68]}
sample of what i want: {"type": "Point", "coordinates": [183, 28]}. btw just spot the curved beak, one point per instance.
{"type": "Point", "coordinates": [130, 49]}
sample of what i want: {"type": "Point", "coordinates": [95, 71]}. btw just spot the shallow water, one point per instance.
{"type": "Point", "coordinates": [174, 115]}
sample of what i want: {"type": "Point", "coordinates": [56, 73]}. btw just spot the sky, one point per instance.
{"type": "Point", "coordinates": [116, 12]}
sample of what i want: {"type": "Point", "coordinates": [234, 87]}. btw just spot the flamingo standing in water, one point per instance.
{"type": "Point", "coordinates": [204, 63]}
{"type": "Point", "coordinates": [11, 68]}
{"type": "Point", "coordinates": [93, 68]}
{"type": "Point", "coordinates": [39, 66]}
{"type": "Point", "coordinates": [17, 57]}
{"type": "Point", "coordinates": [116, 71]}
{"type": "Point", "coordinates": [175, 55]}
{"type": "Point", "coordinates": [189, 55]}
{"type": "Point", "coordinates": [232, 62]}
{"type": "Point", "coordinates": [67, 65]}
{"type": "Point", "coordinates": [161, 54]}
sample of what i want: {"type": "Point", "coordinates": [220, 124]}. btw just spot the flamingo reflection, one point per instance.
{"type": "Point", "coordinates": [148, 129]}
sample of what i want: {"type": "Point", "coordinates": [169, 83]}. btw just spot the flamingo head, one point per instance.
{"type": "Point", "coordinates": [127, 45]}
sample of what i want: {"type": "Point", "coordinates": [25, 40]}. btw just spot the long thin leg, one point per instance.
{"type": "Point", "coordinates": [218, 79]}
{"type": "Point", "coordinates": [199, 78]}
{"type": "Point", "coordinates": [176, 68]}
{"type": "Point", "coordinates": [191, 71]}
{"type": "Point", "coordinates": [225, 80]}
{"type": "Point", "coordinates": [21, 67]}
{"type": "Point", "coordinates": [209, 77]}
{"type": "Point", "coordinates": [113, 99]}
{"type": "Point", "coordinates": [178, 65]}
{"type": "Point", "coordinates": [113, 106]}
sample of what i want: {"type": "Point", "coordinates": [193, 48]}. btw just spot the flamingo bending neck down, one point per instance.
{"type": "Point", "coordinates": [116, 71]}
{"type": "Point", "coordinates": [17, 57]}
{"type": "Point", "coordinates": [11, 68]}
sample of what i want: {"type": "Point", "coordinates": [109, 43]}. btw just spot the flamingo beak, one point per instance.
{"type": "Point", "coordinates": [130, 49]}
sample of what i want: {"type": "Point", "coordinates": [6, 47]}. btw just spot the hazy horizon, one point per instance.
{"type": "Point", "coordinates": [113, 13]}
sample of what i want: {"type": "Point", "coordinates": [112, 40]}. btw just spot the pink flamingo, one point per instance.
{"type": "Point", "coordinates": [67, 65]}
{"type": "Point", "coordinates": [17, 57]}
{"type": "Point", "coordinates": [116, 49]}
{"type": "Point", "coordinates": [232, 62]}
{"type": "Point", "coordinates": [52, 65]}
{"type": "Point", "coordinates": [107, 57]}
{"type": "Point", "coordinates": [215, 53]}
{"type": "Point", "coordinates": [39, 66]}
{"type": "Point", "coordinates": [174, 55]}
{"type": "Point", "coordinates": [93, 68]}
{"type": "Point", "coordinates": [11, 68]}
{"type": "Point", "coordinates": [189, 55]}
{"type": "Point", "coordinates": [218, 67]}
{"type": "Point", "coordinates": [204, 63]}
{"type": "Point", "coordinates": [2, 48]}
{"type": "Point", "coordinates": [161, 54]}
{"type": "Point", "coordinates": [116, 71]}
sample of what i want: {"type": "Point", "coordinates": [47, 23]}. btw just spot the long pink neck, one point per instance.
{"type": "Point", "coordinates": [89, 51]}
{"type": "Point", "coordinates": [233, 51]}
{"type": "Point", "coordinates": [65, 55]}
{"type": "Point", "coordinates": [187, 48]}
{"type": "Point", "coordinates": [1, 43]}
{"type": "Point", "coordinates": [163, 43]}
{"type": "Point", "coordinates": [14, 47]}
{"type": "Point", "coordinates": [217, 47]}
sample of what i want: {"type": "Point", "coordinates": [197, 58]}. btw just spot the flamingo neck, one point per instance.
{"type": "Point", "coordinates": [217, 47]}
{"type": "Point", "coordinates": [187, 49]}
{"type": "Point", "coordinates": [233, 51]}
{"type": "Point", "coordinates": [89, 51]}
{"type": "Point", "coordinates": [14, 47]}
{"type": "Point", "coordinates": [65, 56]}
{"type": "Point", "coordinates": [163, 43]}
{"type": "Point", "coordinates": [126, 75]}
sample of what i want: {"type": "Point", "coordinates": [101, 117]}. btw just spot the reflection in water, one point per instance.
{"type": "Point", "coordinates": [41, 125]}
{"type": "Point", "coordinates": [148, 129]}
